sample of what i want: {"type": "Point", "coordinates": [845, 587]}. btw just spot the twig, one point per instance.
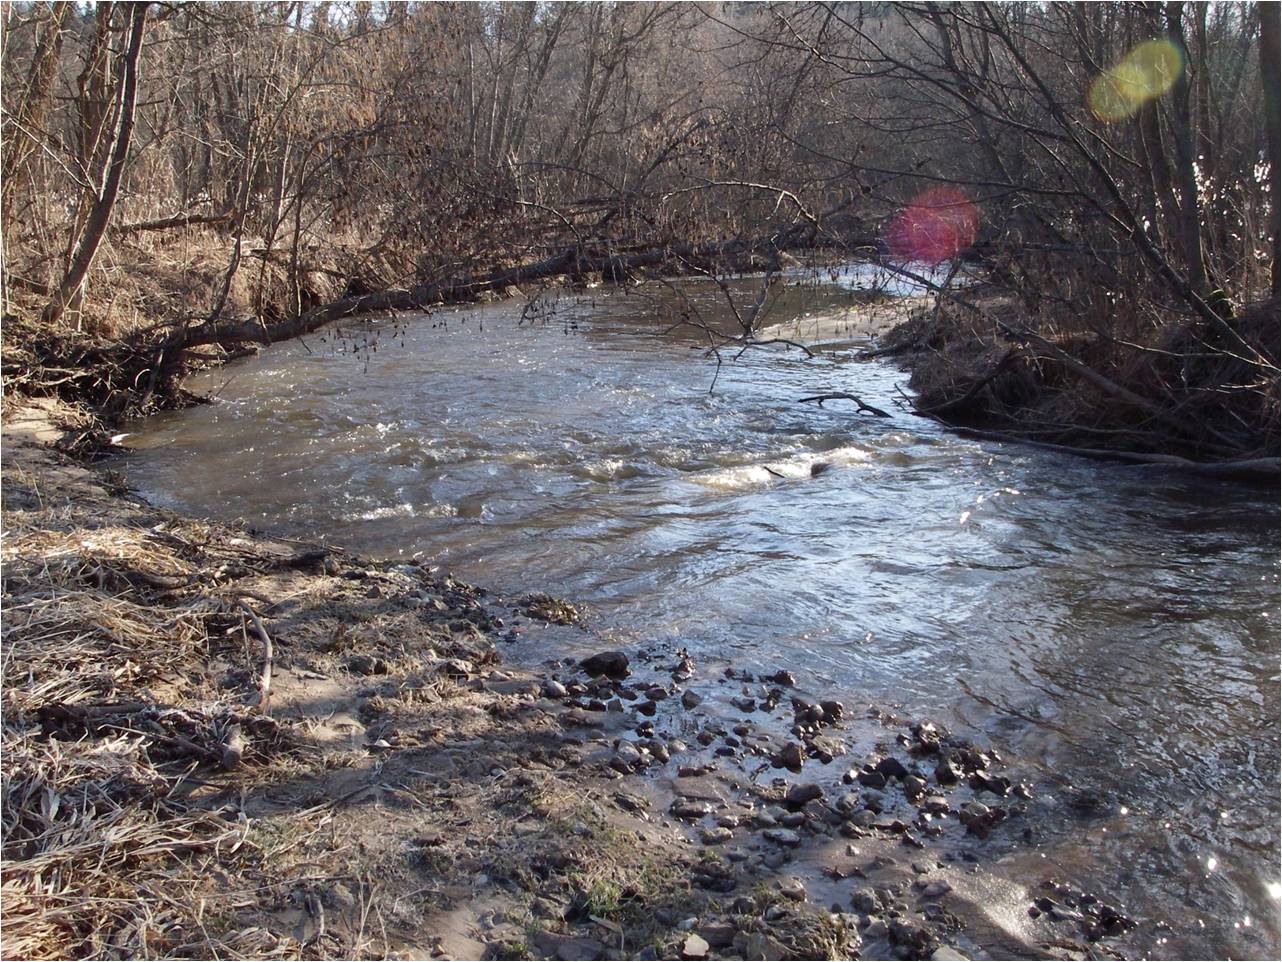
{"type": "Point", "coordinates": [269, 658]}
{"type": "Point", "coordinates": [844, 396]}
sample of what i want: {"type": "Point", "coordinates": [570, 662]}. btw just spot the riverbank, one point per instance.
{"type": "Point", "coordinates": [382, 785]}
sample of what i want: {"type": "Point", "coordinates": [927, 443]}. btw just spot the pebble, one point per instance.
{"type": "Point", "coordinates": [715, 836]}
{"type": "Point", "coordinates": [792, 888]}
{"type": "Point", "coordinates": [719, 935]}
{"type": "Point", "coordinates": [789, 757]}
{"type": "Point", "coordinates": [626, 757]}
{"type": "Point", "coordinates": [782, 836]}
{"type": "Point", "coordinates": [892, 767]}
{"type": "Point", "coordinates": [935, 889]}
{"type": "Point", "coordinates": [799, 795]}
{"type": "Point", "coordinates": [612, 664]}
{"type": "Point", "coordinates": [690, 700]}
{"type": "Point", "coordinates": [694, 947]}
{"type": "Point", "coordinates": [554, 689]}
{"type": "Point", "coordinates": [872, 779]}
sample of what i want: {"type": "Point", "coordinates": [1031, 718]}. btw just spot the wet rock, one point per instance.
{"type": "Point", "coordinates": [684, 669]}
{"type": "Point", "coordinates": [690, 700]}
{"type": "Point", "coordinates": [789, 757]}
{"type": "Point", "coordinates": [694, 784]}
{"type": "Point", "coordinates": [865, 900]}
{"type": "Point", "coordinates": [979, 818]}
{"type": "Point", "coordinates": [690, 808]}
{"type": "Point", "coordinates": [863, 818]}
{"type": "Point", "coordinates": [915, 938]}
{"type": "Point", "coordinates": [782, 836]}
{"type": "Point", "coordinates": [997, 784]}
{"type": "Point", "coordinates": [792, 888]}
{"type": "Point", "coordinates": [744, 703]}
{"type": "Point", "coordinates": [848, 803]}
{"type": "Point", "coordinates": [877, 929]}
{"type": "Point", "coordinates": [656, 693]}
{"type": "Point", "coordinates": [946, 773]}
{"type": "Point", "coordinates": [935, 889]}
{"type": "Point", "coordinates": [632, 803]}
{"type": "Point", "coordinates": [659, 750]}
{"type": "Point", "coordinates": [871, 779]}
{"type": "Point", "coordinates": [799, 795]}
{"type": "Point", "coordinates": [648, 707]}
{"type": "Point", "coordinates": [784, 678]}
{"type": "Point", "coordinates": [554, 689]}
{"type": "Point", "coordinates": [891, 767]}
{"type": "Point", "coordinates": [935, 805]}
{"type": "Point", "coordinates": [792, 820]}
{"type": "Point", "coordinates": [626, 757]}
{"type": "Point", "coordinates": [914, 787]}
{"type": "Point", "coordinates": [716, 836]}
{"type": "Point", "coordinates": [694, 947]}
{"type": "Point", "coordinates": [611, 664]}
{"type": "Point", "coordinates": [833, 711]}
{"type": "Point", "coordinates": [947, 953]}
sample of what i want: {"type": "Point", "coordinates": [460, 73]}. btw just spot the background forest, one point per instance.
{"type": "Point", "coordinates": [184, 175]}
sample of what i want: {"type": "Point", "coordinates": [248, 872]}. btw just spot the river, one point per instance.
{"type": "Point", "coordinates": [1114, 628]}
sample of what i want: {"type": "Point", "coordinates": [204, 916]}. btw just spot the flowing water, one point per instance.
{"type": "Point", "coordinates": [1114, 628]}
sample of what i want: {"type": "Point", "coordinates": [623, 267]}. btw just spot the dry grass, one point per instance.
{"type": "Point", "coordinates": [107, 717]}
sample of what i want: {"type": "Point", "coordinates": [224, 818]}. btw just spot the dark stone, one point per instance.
{"type": "Point", "coordinates": [784, 678]}
{"type": "Point", "coordinates": [946, 772]}
{"type": "Point", "coordinates": [833, 711]}
{"type": "Point", "coordinates": [612, 664]}
{"type": "Point", "coordinates": [871, 779]}
{"type": "Point", "coordinates": [690, 700]}
{"type": "Point", "coordinates": [799, 795]}
{"type": "Point", "coordinates": [366, 665]}
{"type": "Point", "coordinates": [892, 767]}
{"type": "Point", "coordinates": [648, 707]}
{"type": "Point", "coordinates": [789, 757]}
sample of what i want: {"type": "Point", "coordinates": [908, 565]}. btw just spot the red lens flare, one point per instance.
{"type": "Point", "coordinates": [936, 226]}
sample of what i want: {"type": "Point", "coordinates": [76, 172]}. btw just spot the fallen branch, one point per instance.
{"type": "Point", "coordinates": [170, 222]}
{"type": "Point", "coordinates": [269, 658]}
{"type": "Point", "coordinates": [843, 396]}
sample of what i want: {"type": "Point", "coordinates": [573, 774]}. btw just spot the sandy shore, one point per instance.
{"type": "Point", "coordinates": [218, 744]}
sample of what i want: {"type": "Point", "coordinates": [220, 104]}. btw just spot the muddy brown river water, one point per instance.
{"type": "Point", "coordinates": [1113, 628]}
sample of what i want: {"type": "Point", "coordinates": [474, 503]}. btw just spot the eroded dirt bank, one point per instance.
{"type": "Point", "coordinates": [377, 784]}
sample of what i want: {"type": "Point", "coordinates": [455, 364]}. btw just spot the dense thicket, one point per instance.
{"type": "Point", "coordinates": [212, 172]}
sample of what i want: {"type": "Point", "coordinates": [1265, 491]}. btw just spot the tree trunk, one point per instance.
{"type": "Point", "coordinates": [21, 144]}
{"type": "Point", "coordinates": [1185, 158]}
{"type": "Point", "coordinates": [1269, 70]}
{"type": "Point", "coordinates": [96, 225]}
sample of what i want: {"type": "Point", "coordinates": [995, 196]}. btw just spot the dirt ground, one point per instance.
{"type": "Point", "coordinates": [222, 745]}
